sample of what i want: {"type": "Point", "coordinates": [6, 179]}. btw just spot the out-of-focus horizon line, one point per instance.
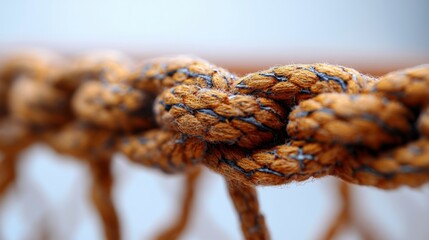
{"type": "Point", "coordinates": [240, 61]}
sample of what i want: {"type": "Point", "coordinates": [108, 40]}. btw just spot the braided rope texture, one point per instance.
{"type": "Point", "coordinates": [288, 123]}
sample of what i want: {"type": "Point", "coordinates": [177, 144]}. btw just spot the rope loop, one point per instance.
{"type": "Point", "coordinates": [287, 123]}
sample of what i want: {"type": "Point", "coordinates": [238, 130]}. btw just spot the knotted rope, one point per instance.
{"type": "Point", "coordinates": [13, 136]}
{"type": "Point", "coordinates": [288, 123]}
{"type": "Point", "coordinates": [41, 104]}
{"type": "Point", "coordinates": [285, 124]}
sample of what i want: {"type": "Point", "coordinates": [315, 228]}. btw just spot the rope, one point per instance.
{"type": "Point", "coordinates": [7, 173]}
{"type": "Point", "coordinates": [39, 109]}
{"type": "Point", "coordinates": [288, 123]}
{"type": "Point", "coordinates": [14, 136]}
{"type": "Point", "coordinates": [101, 195]}
{"type": "Point", "coordinates": [246, 204]}
{"type": "Point", "coordinates": [345, 218]}
{"type": "Point", "coordinates": [175, 230]}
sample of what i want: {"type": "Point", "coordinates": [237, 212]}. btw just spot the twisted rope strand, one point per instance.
{"type": "Point", "coordinates": [7, 172]}
{"type": "Point", "coordinates": [288, 123]}
{"type": "Point", "coordinates": [101, 195]}
{"type": "Point", "coordinates": [14, 135]}
{"type": "Point", "coordinates": [175, 230]}
{"type": "Point", "coordinates": [168, 151]}
{"type": "Point", "coordinates": [246, 204]}
{"type": "Point", "coordinates": [344, 217]}
{"type": "Point", "coordinates": [42, 105]}
{"type": "Point", "coordinates": [351, 120]}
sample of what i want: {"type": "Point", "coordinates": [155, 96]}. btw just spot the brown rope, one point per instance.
{"type": "Point", "coordinates": [344, 212]}
{"type": "Point", "coordinates": [13, 138]}
{"type": "Point", "coordinates": [202, 104]}
{"type": "Point", "coordinates": [345, 217]}
{"type": "Point", "coordinates": [94, 146]}
{"type": "Point", "coordinates": [288, 123]}
{"type": "Point", "coordinates": [101, 193]}
{"type": "Point", "coordinates": [176, 229]}
{"type": "Point", "coordinates": [7, 173]}
{"type": "Point", "coordinates": [246, 203]}
{"type": "Point", "coordinates": [40, 103]}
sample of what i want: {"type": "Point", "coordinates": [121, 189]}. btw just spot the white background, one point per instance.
{"type": "Point", "coordinates": [51, 191]}
{"type": "Point", "coordinates": [364, 32]}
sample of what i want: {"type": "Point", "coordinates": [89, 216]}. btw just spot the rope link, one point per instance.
{"type": "Point", "coordinates": [288, 123]}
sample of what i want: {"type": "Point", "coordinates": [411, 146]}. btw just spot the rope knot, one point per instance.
{"type": "Point", "coordinates": [287, 123]}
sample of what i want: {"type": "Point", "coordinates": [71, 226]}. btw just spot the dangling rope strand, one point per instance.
{"type": "Point", "coordinates": [246, 204]}
{"type": "Point", "coordinates": [178, 227]}
{"type": "Point", "coordinates": [345, 216]}
{"type": "Point", "coordinates": [101, 194]}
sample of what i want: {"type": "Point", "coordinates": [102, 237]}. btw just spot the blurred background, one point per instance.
{"type": "Point", "coordinates": [243, 36]}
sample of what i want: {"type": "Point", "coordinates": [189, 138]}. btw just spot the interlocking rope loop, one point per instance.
{"type": "Point", "coordinates": [13, 136]}
{"type": "Point", "coordinates": [40, 88]}
{"type": "Point", "coordinates": [287, 123]}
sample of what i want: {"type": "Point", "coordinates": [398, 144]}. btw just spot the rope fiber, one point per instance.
{"type": "Point", "coordinates": [288, 123]}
